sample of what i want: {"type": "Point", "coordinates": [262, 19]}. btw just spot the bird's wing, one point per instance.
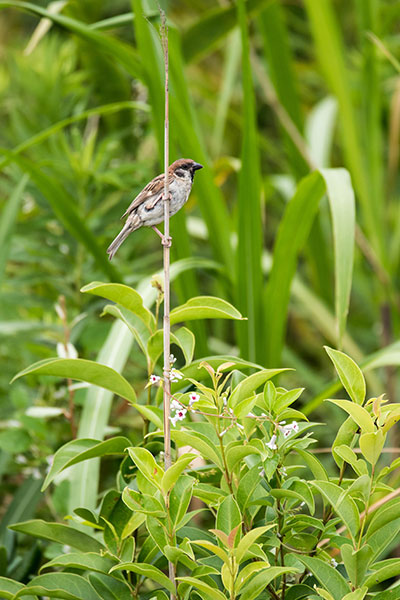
{"type": "Point", "coordinates": [153, 191]}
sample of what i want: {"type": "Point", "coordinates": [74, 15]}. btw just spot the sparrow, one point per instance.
{"type": "Point", "coordinates": [147, 209]}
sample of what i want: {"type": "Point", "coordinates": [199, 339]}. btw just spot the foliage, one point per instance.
{"type": "Point", "coordinates": [236, 515]}
{"type": "Point", "coordinates": [288, 106]}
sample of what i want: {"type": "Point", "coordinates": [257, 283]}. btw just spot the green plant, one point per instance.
{"type": "Point", "coordinates": [271, 523]}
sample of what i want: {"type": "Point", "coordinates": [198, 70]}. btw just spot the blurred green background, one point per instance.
{"type": "Point", "coordinates": [261, 94]}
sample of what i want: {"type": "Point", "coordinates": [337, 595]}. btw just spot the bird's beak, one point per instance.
{"type": "Point", "coordinates": [197, 166]}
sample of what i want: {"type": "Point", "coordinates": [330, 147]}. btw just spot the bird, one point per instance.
{"type": "Point", "coordinates": [147, 209]}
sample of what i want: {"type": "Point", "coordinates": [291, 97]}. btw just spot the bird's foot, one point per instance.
{"type": "Point", "coordinates": [166, 241]}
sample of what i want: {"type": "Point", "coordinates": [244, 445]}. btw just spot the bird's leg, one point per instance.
{"type": "Point", "coordinates": [166, 241]}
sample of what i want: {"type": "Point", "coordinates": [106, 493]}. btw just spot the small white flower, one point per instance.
{"type": "Point", "coordinates": [175, 375]}
{"type": "Point", "coordinates": [225, 401]}
{"type": "Point", "coordinates": [295, 426]}
{"type": "Point", "coordinates": [284, 472]}
{"type": "Point", "coordinates": [193, 397]}
{"type": "Point", "coordinates": [172, 359]}
{"type": "Point", "coordinates": [271, 444]}
{"type": "Point", "coordinates": [20, 459]}
{"type": "Point", "coordinates": [334, 563]}
{"type": "Point", "coordinates": [153, 379]}
{"type": "Point", "coordinates": [240, 426]}
{"type": "Point", "coordinates": [223, 432]}
{"type": "Point", "coordinates": [286, 431]}
{"type": "Point", "coordinates": [173, 420]}
{"type": "Point", "coordinates": [262, 472]}
{"type": "Point", "coordinates": [180, 414]}
{"type": "Point", "coordinates": [251, 415]}
{"type": "Point", "coordinates": [282, 423]}
{"type": "Point", "coordinates": [175, 405]}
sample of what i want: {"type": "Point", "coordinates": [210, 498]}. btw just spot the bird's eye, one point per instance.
{"type": "Point", "coordinates": [180, 173]}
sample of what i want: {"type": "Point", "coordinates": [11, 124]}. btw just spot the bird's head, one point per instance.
{"type": "Point", "coordinates": [185, 168]}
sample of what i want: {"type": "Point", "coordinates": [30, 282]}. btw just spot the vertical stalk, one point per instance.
{"type": "Point", "coordinates": [166, 246]}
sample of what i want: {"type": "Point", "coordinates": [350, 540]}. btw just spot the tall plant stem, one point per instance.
{"type": "Point", "coordinates": [166, 246]}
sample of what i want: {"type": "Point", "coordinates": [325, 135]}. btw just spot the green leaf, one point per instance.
{"type": "Point", "coordinates": [211, 592]}
{"type": "Point", "coordinates": [204, 307]}
{"type": "Point", "coordinates": [250, 539]}
{"type": "Point", "coordinates": [82, 449]}
{"type": "Point", "coordinates": [260, 581]}
{"type": "Point", "coordinates": [136, 326]}
{"type": "Point", "coordinates": [185, 339]}
{"type": "Point", "coordinates": [66, 586]}
{"type": "Point", "coordinates": [87, 561]}
{"type": "Point", "coordinates": [217, 550]}
{"type": "Point", "coordinates": [331, 579]}
{"type": "Point", "coordinates": [342, 206]}
{"type": "Point", "coordinates": [316, 467]}
{"type": "Point", "coordinates": [386, 569]}
{"type": "Point", "coordinates": [198, 442]}
{"type": "Point", "coordinates": [381, 539]}
{"type": "Point", "coordinates": [237, 453]}
{"type": "Point", "coordinates": [249, 385]}
{"type": "Point", "coordinates": [228, 515]}
{"type": "Point", "coordinates": [342, 504]}
{"type": "Point", "coordinates": [357, 594]}
{"type": "Point", "coordinates": [371, 445]}
{"type": "Point", "coordinates": [82, 370]}
{"type": "Point", "coordinates": [172, 474]}
{"type": "Point", "coordinates": [293, 231]}
{"type": "Point", "coordinates": [383, 515]}
{"type": "Point", "coordinates": [180, 498]}
{"type": "Point", "coordinates": [110, 588]}
{"type": "Point", "coordinates": [60, 533]}
{"type": "Point", "coordinates": [9, 587]}
{"type": "Point", "coordinates": [147, 571]}
{"type": "Point", "coordinates": [249, 276]}
{"type": "Point", "coordinates": [349, 374]}
{"type": "Point", "coordinates": [147, 465]}
{"type": "Point", "coordinates": [7, 223]}
{"type": "Point", "coordinates": [356, 562]}
{"type": "Point", "coordinates": [247, 484]}
{"type": "Point", "coordinates": [358, 413]}
{"type": "Point", "coordinates": [116, 49]}
{"type": "Point", "coordinates": [124, 296]}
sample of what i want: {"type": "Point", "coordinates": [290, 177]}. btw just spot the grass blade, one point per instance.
{"type": "Point", "coordinates": [249, 276]}
{"type": "Point", "coordinates": [7, 223]}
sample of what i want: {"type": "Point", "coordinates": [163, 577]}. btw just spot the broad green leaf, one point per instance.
{"type": "Point", "coordinates": [260, 581]}
{"type": "Point", "coordinates": [248, 571]}
{"type": "Point", "coordinates": [386, 569]}
{"type": "Point", "coordinates": [198, 442]}
{"type": "Point", "coordinates": [124, 296]}
{"type": "Point", "coordinates": [185, 339]}
{"type": "Point", "coordinates": [342, 206]}
{"type": "Point", "coordinates": [211, 592]}
{"type": "Point", "coordinates": [147, 465]}
{"type": "Point", "coordinates": [147, 571]}
{"type": "Point", "coordinates": [110, 588]}
{"type": "Point", "coordinates": [386, 513]}
{"type": "Point", "coordinates": [315, 466]}
{"type": "Point", "coordinates": [382, 538]}
{"type": "Point", "coordinates": [204, 307]}
{"type": "Point", "coordinates": [89, 561]}
{"type": "Point", "coordinates": [358, 413]}
{"type": "Point", "coordinates": [343, 505]}
{"type": "Point", "coordinates": [238, 453]}
{"type": "Point", "coordinates": [247, 484]}
{"type": "Point", "coordinates": [345, 436]}
{"type": "Point", "coordinates": [172, 474]}
{"type": "Point", "coordinates": [180, 498]}
{"type": "Point", "coordinates": [9, 587]}
{"type": "Point", "coordinates": [356, 562]}
{"type": "Point", "coordinates": [66, 586]}
{"type": "Point", "coordinates": [228, 515]}
{"type": "Point", "coordinates": [60, 533]}
{"type": "Point", "coordinates": [213, 548]}
{"type": "Point", "coordinates": [82, 370]}
{"type": "Point", "coordinates": [250, 539]}
{"type": "Point", "coordinates": [331, 579]}
{"type": "Point", "coordinates": [154, 414]}
{"type": "Point", "coordinates": [371, 445]}
{"type": "Point", "coordinates": [82, 449]}
{"type": "Point", "coordinates": [136, 326]}
{"type": "Point", "coordinates": [349, 374]}
{"type": "Point", "coordinates": [249, 385]}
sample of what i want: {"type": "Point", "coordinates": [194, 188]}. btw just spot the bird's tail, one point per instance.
{"type": "Point", "coordinates": [121, 237]}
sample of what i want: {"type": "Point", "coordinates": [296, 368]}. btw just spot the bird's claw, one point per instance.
{"type": "Point", "coordinates": [166, 241]}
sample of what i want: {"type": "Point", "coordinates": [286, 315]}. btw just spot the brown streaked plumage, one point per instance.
{"type": "Point", "coordinates": [147, 209]}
